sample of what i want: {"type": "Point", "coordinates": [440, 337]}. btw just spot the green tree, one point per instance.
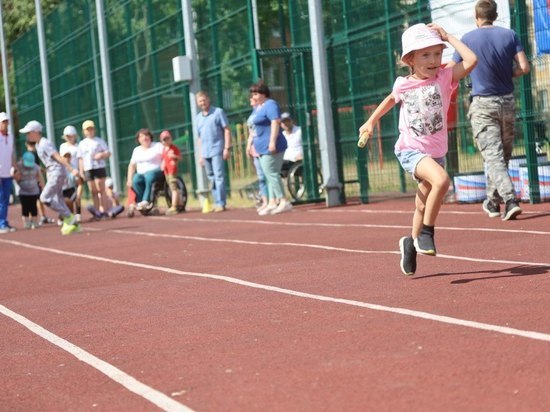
{"type": "Point", "coordinates": [19, 16]}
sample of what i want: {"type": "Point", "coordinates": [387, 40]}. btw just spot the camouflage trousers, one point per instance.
{"type": "Point", "coordinates": [492, 119]}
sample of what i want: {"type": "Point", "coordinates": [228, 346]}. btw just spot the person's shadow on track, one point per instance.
{"type": "Point", "coordinates": [514, 271]}
{"type": "Point", "coordinates": [534, 216]}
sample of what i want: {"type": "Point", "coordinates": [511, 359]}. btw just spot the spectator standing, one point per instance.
{"type": "Point", "coordinates": [52, 194]}
{"type": "Point", "coordinates": [262, 186]}
{"type": "Point", "coordinates": [171, 155]}
{"type": "Point", "coordinates": [214, 146]}
{"type": "Point", "coordinates": [92, 153]}
{"type": "Point", "coordinates": [30, 181]}
{"type": "Point", "coordinates": [270, 145]}
{"type": "Point", "coordinates": [7, 165]}
{"type": "Point", "coordinates": [70, 146]}
{"type": "Point", "coordinates": [492, 113]}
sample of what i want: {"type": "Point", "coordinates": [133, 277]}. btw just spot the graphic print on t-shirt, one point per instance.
{"type": "Point", "coordinates": [424, 109]}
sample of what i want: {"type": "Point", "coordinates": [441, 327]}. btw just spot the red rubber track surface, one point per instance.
{"type": "Point", "coordinates": [304, 311]}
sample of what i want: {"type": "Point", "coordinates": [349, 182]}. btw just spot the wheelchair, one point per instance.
{"type": "Point", "coordinates": [159, 190]}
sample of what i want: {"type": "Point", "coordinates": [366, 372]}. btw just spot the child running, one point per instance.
{"type": "Point", "coordinates": [52, 194]}
{"type": "Point", "coordinates": [425, 96]}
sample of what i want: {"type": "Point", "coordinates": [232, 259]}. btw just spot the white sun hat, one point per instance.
{"type": "Point", "coordinates": [419, 37]}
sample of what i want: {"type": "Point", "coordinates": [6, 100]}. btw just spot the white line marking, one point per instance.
{"type": "Point", "coordinates": [314, 246]}
{"type": "Point", "coordinates": [159, 399]}
{"type": "Point", "coordinates": [401, 311]}
{"type": "Point", "coordinates": [409, 212]}
{"type": "Point", "coordinates": [360, 225]}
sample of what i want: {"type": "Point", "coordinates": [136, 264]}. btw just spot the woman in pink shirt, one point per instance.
{"type": "Point", "coordinates": [425, 96]}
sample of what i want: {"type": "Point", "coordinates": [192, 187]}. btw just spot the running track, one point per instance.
{"type": "Point", "coordinates": [306, 311]}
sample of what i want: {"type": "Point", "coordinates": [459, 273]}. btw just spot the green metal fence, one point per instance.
{"type": "Point", "coordinates": [363, 47]}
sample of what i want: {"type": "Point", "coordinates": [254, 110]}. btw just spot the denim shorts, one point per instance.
{"type": "Point", "coordinates": [409, 159]}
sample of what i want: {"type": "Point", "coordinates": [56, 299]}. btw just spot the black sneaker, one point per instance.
{"type": "Point", "coordinates": [425, 244]}
{"type": "Point", "coordinates": [408, 255]}
{"type": "Point", "coordinates": [512, 210]}
{"type": "Point", "coordinates": [493, 210]}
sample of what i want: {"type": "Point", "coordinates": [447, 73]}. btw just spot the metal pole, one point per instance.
{"type": "Point", "coordinates": [324, 110]}
{"type": "Point", "coordinates": [107, 93]}
{"type": "Point", "coordinates": [4, 51]}
{"type": "Point", "coordinates": [194, 88]}
{"type": "Point", "coordinates": [97, 82]}
{"type": "Point", "coordinates": [44, 71]}
{"type": "Point", "coordinates": [254, 38]}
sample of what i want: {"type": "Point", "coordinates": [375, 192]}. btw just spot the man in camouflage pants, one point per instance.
{"type": "Point", "coordinates": [492, 112]}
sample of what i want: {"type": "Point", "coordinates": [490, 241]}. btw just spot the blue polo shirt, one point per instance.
{"type": "Point", "coordinates": [495, 48]}
{"type": "Point", "coordinates": [210, 127]}
{"type": "Point", "coordinates": [262, 126]}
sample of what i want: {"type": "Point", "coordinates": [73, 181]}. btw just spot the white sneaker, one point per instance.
{"type": "Point", "coordinates": [142, 205]}
{"type": "Point", "coordinates": [267, 210]}
{"type": "Point", "coordinates": [282, 208]}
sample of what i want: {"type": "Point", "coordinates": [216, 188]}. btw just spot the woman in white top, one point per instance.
{"type": "Point", "coordinates": [144, 168]}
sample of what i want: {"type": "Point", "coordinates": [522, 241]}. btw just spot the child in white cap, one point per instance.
{"type": "Point", "coordinates": [69, 148]}
{"type": "Point", "coordinates": [52, 194]}
{"type": "Point", "coordinates": [425, 96]}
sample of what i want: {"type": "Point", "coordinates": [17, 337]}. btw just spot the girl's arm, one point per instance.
{"type": "Point", "coordinates": [469, 59]}
{"type": "Point", "coordinates": [368, 127]}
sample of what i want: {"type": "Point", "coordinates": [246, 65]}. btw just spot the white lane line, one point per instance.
{"type": "Point", "coordinates": [314, 246]}
{"type": "Point", "coordinates": [409, 212]}
{"type": "Point", "coordinates": [401, 311]}
{"type": "Point", "coordinates": [159, 399]}
{"type": "Point", "coordinates": [354, 225]}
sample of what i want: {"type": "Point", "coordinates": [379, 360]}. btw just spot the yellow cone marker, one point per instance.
{"type": "Point", "coordinates": [206, 205]}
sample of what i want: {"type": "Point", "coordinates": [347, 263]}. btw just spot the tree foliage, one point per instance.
{"type": "Point", "coordinates": [19, 16]}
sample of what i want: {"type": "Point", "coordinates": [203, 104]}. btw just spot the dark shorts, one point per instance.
{"type": "Point", "coordinates": [28, 205]}
{"type": "Point", "coordinates": [93, 174]}
{"type": "Point", "coordinates": [70, 194]}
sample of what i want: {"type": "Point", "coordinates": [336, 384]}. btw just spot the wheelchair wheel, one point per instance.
{"type": "Point", "coordinates": [295, 181]}
{"type": "Point", "coordinates": [183, 194]}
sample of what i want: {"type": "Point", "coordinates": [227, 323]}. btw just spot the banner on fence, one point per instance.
{"type": "Point", "coordinates": [458, 18]}
{"type": "Point", "coordinates": [542, 25]}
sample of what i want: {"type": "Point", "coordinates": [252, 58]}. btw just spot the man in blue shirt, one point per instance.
{"type": "Point", "coordinates": [214, 146]}
{"type": "Point", "coordinates": [500, 58]}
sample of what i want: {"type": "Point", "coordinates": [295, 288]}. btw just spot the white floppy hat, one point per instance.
{"type": "Point", "coordinates": [3, 117]}
{"type": "Point", "coordinates": [32, 126]}
{"type": "Point", "coordinates": [419, 37]}
{"type": "Point", "coordinates": [69, 131]}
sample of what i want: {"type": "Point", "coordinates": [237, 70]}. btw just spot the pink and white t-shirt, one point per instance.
{"type": "Point", "coordinates": [423, 114]}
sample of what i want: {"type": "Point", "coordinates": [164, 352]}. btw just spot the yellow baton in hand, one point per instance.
{"type": "Point", "coordinates": [363, 139]}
